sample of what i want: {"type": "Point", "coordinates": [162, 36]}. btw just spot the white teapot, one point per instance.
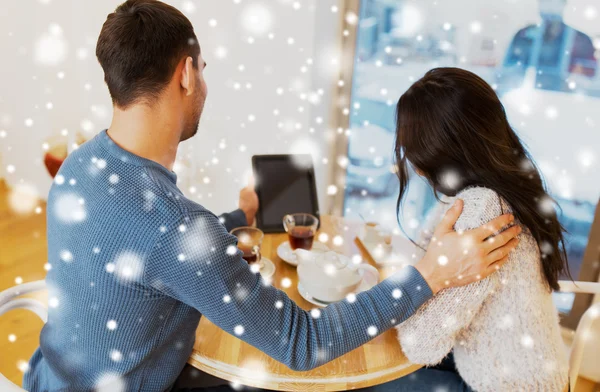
{"type": "Point", "coordinates": [330, 276]}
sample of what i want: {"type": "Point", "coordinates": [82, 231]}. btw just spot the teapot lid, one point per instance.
{"type": "Point", "coordinates": [327, 268]}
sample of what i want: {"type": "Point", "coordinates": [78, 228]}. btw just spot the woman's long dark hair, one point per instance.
{"type": "Point", "coordinates": [452, 127]}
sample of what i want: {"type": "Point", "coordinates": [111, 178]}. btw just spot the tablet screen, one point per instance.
{"type": "Point", "coordinates": [285, 184]}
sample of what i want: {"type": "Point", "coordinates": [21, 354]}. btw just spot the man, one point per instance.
{"type": "Point", "coordinates": [135, 263]}
{"type": "Point", "coordinates": [554, 50]}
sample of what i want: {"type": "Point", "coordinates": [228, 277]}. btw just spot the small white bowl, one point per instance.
{"type": "Point", "coordinates": [285, 252]}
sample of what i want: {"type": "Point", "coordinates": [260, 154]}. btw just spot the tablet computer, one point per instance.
{"type": "Point", "coordinates": [285, 184]}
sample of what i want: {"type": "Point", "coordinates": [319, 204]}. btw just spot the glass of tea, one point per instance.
{"type": "Point", "coordinates": [301, 229]}
{"type": "Point", "coordinates": [249, 242]}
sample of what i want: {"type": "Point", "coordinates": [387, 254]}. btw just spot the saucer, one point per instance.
{"type": "Point", "coordinates": [366, 284]}
{"type": "Point", "coordinates": [266, 271]}
{"type": "Point", "coordinates": [285, 253]}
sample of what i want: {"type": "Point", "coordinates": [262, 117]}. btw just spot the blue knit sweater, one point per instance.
{"type": "Point", "coordinates": [135, 264]}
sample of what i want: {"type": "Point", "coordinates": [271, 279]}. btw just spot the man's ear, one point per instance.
{"type": "Point", "coordinates": [188, 80]}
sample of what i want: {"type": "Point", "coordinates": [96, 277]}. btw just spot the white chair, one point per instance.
{"type": "Point", "coordinates": [9, 300]}
{"type": "Point", "coordinates": [583, 328]}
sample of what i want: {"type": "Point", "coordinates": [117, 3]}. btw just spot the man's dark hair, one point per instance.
{"type": "Point", "coordinates": [139, 47]}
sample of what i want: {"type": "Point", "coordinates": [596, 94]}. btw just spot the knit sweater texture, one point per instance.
{"type": "Point", "coordinates": [504, 329]}
{"type": "Point", "coordinates": [135, 264]}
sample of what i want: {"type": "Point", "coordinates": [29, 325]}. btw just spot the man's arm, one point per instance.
{"type": "Point", "coordinates": [233, 219]}
{"type": "Point", "coordinates": [197, 262]}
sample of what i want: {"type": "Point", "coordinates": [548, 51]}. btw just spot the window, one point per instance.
{"type": "Point", "coordinates": [544, 69]}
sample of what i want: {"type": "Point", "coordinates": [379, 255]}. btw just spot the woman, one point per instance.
{"type": "Point", "coordinates": [503, 331]}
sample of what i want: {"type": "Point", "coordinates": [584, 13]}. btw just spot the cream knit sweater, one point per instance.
{"type": "Point", "coordinates": [504, 329]}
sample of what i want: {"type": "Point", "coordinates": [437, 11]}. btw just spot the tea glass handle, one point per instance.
{"type": "Point", "coordinates": [368, 273]}
{"type": "Point", "coordinates": [256, 251]}
{"type": "Point", "coordinates": [288, 222]}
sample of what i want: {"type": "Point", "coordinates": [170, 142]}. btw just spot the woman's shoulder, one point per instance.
{"type": "Point", "coordinates": [481, 205]}
{"type": "Point", "coordinates": [478, 193]}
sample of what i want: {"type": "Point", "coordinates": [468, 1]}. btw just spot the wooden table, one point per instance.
{"type": "Point", "coordinates": [225, 356]}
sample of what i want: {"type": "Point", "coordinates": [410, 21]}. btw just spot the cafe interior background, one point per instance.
{"type": "Point", "coordinates": [320, 77]}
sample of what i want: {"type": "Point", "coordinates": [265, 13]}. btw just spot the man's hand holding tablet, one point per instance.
{"type": "Point", "coordinates": [249, 202]}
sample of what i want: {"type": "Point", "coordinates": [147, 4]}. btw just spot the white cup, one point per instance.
{"type": "Point", "coordinates": [371, 230]}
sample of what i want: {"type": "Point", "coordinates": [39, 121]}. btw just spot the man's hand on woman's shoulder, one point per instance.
{"type": "Point", "coordinates": [460, 258]}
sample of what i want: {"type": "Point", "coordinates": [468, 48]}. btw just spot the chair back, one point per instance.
{"type": "Point", "coordinates": [583, 328]}
{"type": "Point", "coordinates": [9, 300]}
